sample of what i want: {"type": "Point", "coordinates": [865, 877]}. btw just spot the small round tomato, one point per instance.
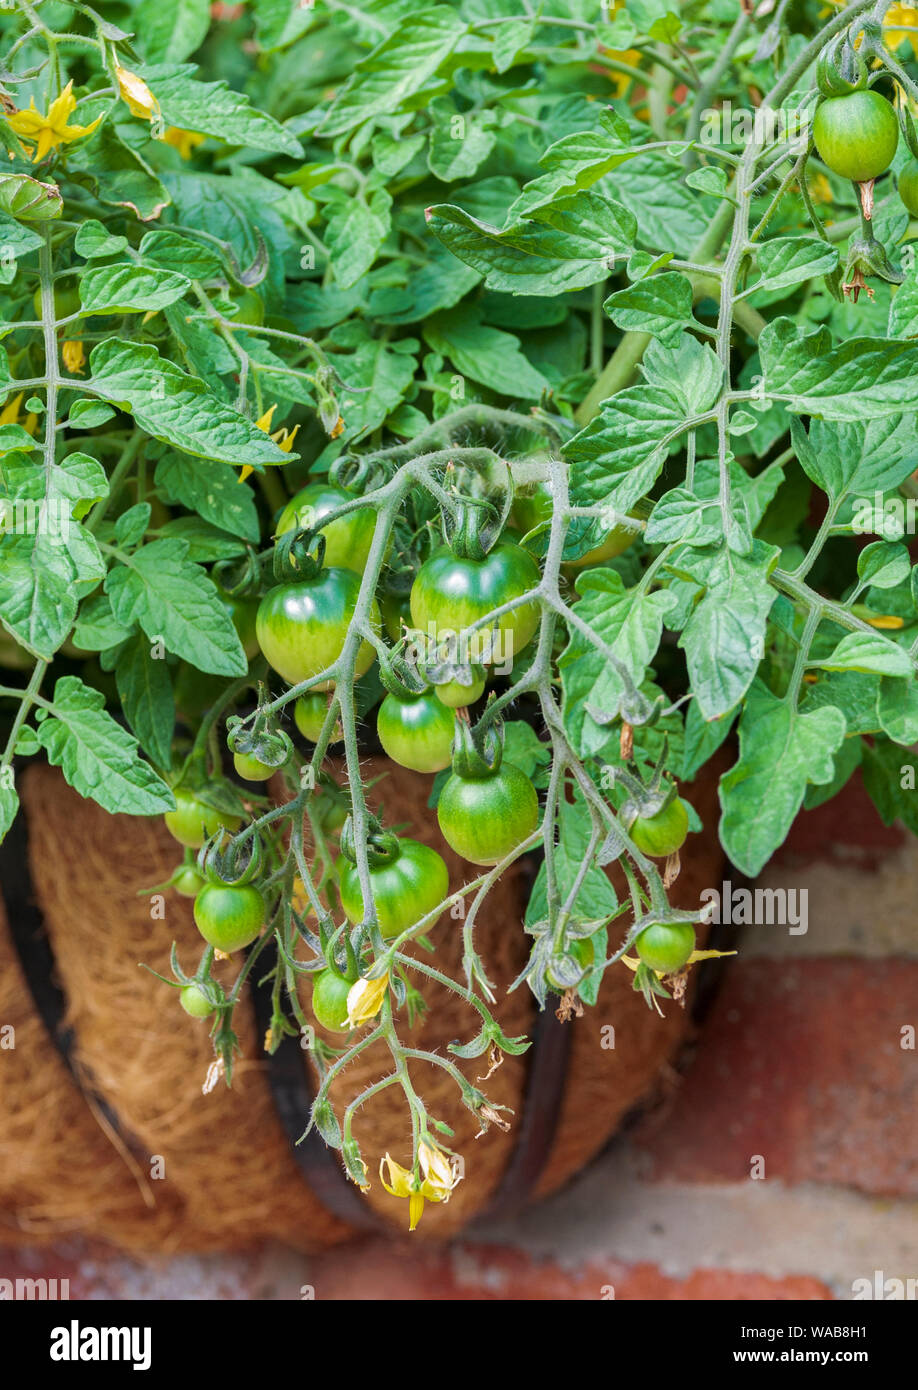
{"type": "Point", "coordinates": [187, 881]}
{"type": "Point", "coordinates": [329, 1000]}
{"type": "Point", "coordinates": [252, 768]}
{"type": "Point", "coordinates": [302, 627]}
{"type": "Point", "coordinates": [242, 611]}
{"type": "Point", "coordinates": [249, 308]}
{"type": "Point", "coordinates": [309, 715]}
{"type": "Point", "coordinates": [66, 301]}
{"type": "Point", "coordinates": [455, 695]}
{"type": "Point", "coordinates": [195, 1002]}
{"type": "Point", "coordinates": [416, 733]}
{"type": "Point", "coordinates": [856, 135]}
{"type": "Point", "coordinates": [229, 916]}
{"type": "Point", "coordinates": [485, 818]}
{"type": "Point", "coordinates": [908, 186]}
{"type": "Point", "coordinates": [582, 951]}
{"type": "Point", "coordinates": [347, 539]}
{"type": "Point", "coordinates": [193, 821]}
{"type": "Point", "coordinates": [666, 946]}
{"type": "Point", "coordinates": [405, 888]}
{"type": "Point", "coordinates": [664, 833]}
{"type": "Point", "coordinates": [396, 613]}
{"type": "Point", "coordinates": [449, 594]}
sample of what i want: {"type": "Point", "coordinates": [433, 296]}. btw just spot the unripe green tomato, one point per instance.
{"type": "Point", "coordinates": [396, 613]}
{"type": "Point", "coordinates": [229, 916]}
{"type": "Point", "coordinates": [242, 611]}
{"type": "Point", "coordinates": [329, 1000]}
{"type": "Point", "coordinates": [416, 733]}
{"type": "Point", "coordinates": [252, 768]}
{"type": "Point", "coordinates": [309, 714]}
{"type": "Point", "coordinates": [485, 818]}
{"type": "Point", "coordinates": [455, 695]}
{"type": "Point", "coordinates": [249, 308]}
{"type": "Point", "coordinates": [583, 952]}
{"type": "Point", "coordinates": [908, 186]}
{"type": "Point", "coordinates": [666, 946]}
{"type": "Point", "coordinates": [404, 889]}
{"type": "Point", "coordinates": [193, 821]}
{"type": "Point", "coordinates": [347, 539]}
{"type": "Point", "coordinates": [66, 302]}
{"type": "Point", "coordinates": [535, 506]}
{"type": "Point", "coordinates": [856, 135]}
{"type": "Point", "coordinates": [195, 1002]}
{"type": "Point", "coordinates": [449, 594]}
{"type": "Point", "coordinates": [302, 627]}
{"type": "Point", "coordinates": [664, 833]}
{"type": "Point", "coordinates": [188, 881]}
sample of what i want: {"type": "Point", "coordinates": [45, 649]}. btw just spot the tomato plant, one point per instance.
{"type": "Point", "coordinates": [561, 357]}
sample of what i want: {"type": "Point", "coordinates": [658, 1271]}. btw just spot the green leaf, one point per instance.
{"type": "Point", "coordinates": [205, 542]}
{"type": "Point", "coordinates": [856, 457]}
{"type": "Point", "coordinates": [883, 564]}
{"type": "Point", "coordinates": [177, 408]}
{"type": "Point", "coordinates": [212, 490]}
{"type": "Point", "coordinates": [396, 69]}
{"type": "Point", "coordinates": [781, 750]}
{"type": "Point", "coordinates": [145, 692]}
{"type": "Point", "coordinates": [484, 354]}
{"type": "Point", "coordinates": [660, 305]}
{"type": "Point", "coordinates": [175, 602]}
{"type": "Point", "coordinates": [861, 379]}
{"type": "Point", "coordinates": [724, 638]}
{"type": "Point", "coordinates": [523, 747]}
{"type": "Point", "coordinates": [630, 622]}
{"type": "Point", "coordinates": [458, 143]}
{"type": "Point", "coordinates": [354, 235]}
{"type": "Point", "coordinates": [869, 652]}
{"type": "Point", "coordinates": [596, 900]}
{"type": "Point", "coordinates": [568, 247]}
{"type": "Point", "coordinates": [16, 241]}
{"type": "Point", "coordinates": [129, 288]}
{"type": "Point", "coordinates": [29, 200]}
{"type": "Point", "coordinates": [510, 38]}
{"type": "Point", "coordinates": [903, 309]}
{"type": "Point", "coordinates": [897, 709]}
{"type": "Point", "coordinates": [617, 458]}
{"type": "Point", "coordinates": [97, 628]}
{"type": "Point", "coordinates": [213, 108]}
{"type": "Point", "coordinates": [169, 31]}
{"type": "Point", "coordinates": [381, 373]}
{"type": "Point", "coordinates": [94, 240]}
{"type": "Point", "coordinates": [791, 260]}
{"type": "Point", "coordinates": [9, 806]}
{"type": "Point", "coordinates": [97, 757]}
{"type": "Point", "coordinates": [690, 371]}
{"type": "Point", "coordinates": [118, 175]}
{"type": "Point", "coordinates": [183, 254]}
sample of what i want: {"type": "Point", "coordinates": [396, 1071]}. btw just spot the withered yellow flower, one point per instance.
{"type": "Point", "coordinates": [434, 1183]}
{"type": "Point", "coordinates": [365, 999]}
{"type": "Point", "coordinates": [73, 355]}
{"type": "Point", "coordinates": [185, 141]}
{"type": "Point", "coordinates": [282, 437]}
{"type": "Point", "coordinates": [134, 91]}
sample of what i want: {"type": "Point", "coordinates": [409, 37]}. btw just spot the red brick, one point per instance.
{"type": "Point", "coordinates": [849, 822]}
{"type": "Point", "coordinates": [802, 1064]}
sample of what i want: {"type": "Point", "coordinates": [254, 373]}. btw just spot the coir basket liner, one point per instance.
{"type": "Point", "coordinates": [113, 1137]}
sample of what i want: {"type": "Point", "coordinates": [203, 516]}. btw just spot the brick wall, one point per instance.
{"type": "Point", "coordinates": [781, 1162]}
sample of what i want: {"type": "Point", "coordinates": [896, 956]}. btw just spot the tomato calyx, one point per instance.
{"type": "Point", "coordinates": [382, 845]}
{"type": "Point", "coordinates": [474, 529]}
{"type": "Point", "coordinates": [400, 672]}
{"type": "Point", "coordinates": [261, 741]}
{"type": "Point", "coordinates": [298, 556]}
{"type": "Point", "coordinates": [840, 69]}
{"type": "Point", "coordinates": [231, 865]}
{"type": "Point", "coordinates": [867, 257]}
{"type": "Point", "coordinates": [478, 752]}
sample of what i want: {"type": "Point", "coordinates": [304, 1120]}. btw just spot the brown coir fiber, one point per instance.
{"type": "Point", "coordinates": [228, 1176]}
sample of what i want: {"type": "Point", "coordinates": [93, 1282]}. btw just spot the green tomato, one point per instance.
{"type": "Point", "coordinates": [484, 818]}
{"type": "Point", "coordinates": [582, 951]}
{"type": "Point", "coordinates": [249, 308]}
{"type": "Point", "coordinates": [455, 695]}
{"type": "Point", "coordinates": [229, 916]}
{"type": "Point", "coordinates": [347, 539]}
{"type": "Point", "coordinates": [405, 888]}
{"type": "Point", "coordinates": [188, 881]}
{"type": "Point", "coordinates": [302, 628]}
{"type": "Point", "coordinates": [242, 611]}
{"type": "Point", "coordinates": [329, 1000]}
{"type": "Point", "coordinates": [193, 821]}
{"type": "Point", "coordinates": [856, 135]}
{"type": "Point", "coordinates": [396, 613]}
{"type": "Point", "coordinates": [449, 594]}
{"type": "Point", "coordinates": [908, 186]}
{"type": "Point", "coordinates": [535, 506]}
{"type": "Point", "coordinates": [416, 733]}
{"type": "Point", "coordinates": [66, 301]}
{"type": "Point", "coordinates": [666, 946]}
{"type": "Point", "coordinates": [252, 768]}
{"type": "Point", "coordinates": [664, 833]}
{"type": "Point", "coordinates": [195, 1002]}
{"type": "Point", "coordinates": [309, 715]}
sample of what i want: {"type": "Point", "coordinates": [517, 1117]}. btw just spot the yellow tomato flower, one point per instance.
{"type": "Point", "coordinates": [52, 128]}
{"type": "Point", "coordinates": [365, 999]}
{"type": "Point", "coordinates": [184, 141]}
{"type": "Point", "coordinates": [282, 437]}
{"type": "Point", "coordinates": [435, 1182]}
{"type": "Point", "coordinates": [9, 415]}
{"type": "Point", "coordinates": [140, 100]}
{"type": "Point", "coordinates": [898, 18]}
{"type": "Point", "coordinates": [73, 355]}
